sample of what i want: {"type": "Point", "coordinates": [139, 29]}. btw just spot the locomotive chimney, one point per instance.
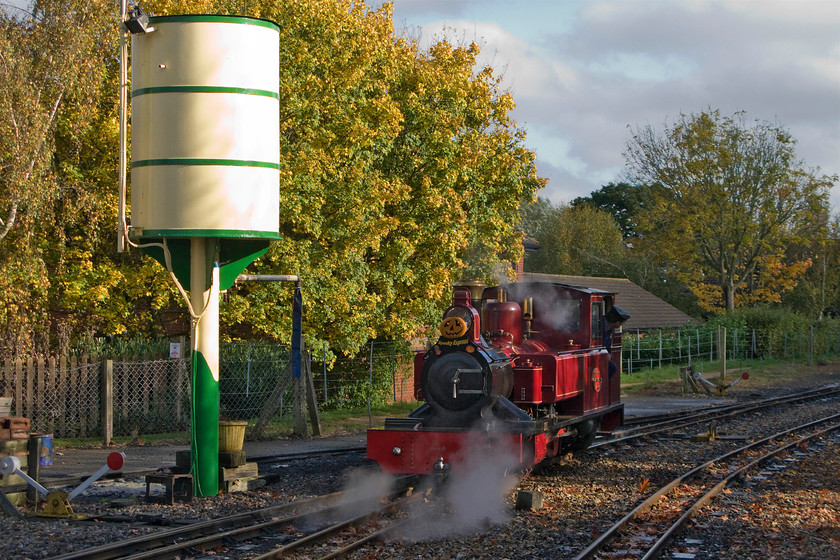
{"type": "Point", "coordinates": [476, 289]}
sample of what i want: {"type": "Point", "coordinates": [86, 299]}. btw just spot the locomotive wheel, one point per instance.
{"type": "Point", "coordinates": [585, 437]}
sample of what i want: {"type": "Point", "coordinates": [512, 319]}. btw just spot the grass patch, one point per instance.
{"type": "Point", "coordinates": [125, 441]}
{"type": "Point", "coordinates": [762, 373]}
{"type": "Point", "coordinates": [345, 421]}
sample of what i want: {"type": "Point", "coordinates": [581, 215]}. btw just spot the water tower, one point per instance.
{"type": "Point", "coordinates": [205, 161]}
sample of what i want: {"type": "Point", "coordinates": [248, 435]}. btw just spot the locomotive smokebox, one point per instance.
{"type": "Point", "coordinates": [458, 385]}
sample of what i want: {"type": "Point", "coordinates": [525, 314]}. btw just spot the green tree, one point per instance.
{"type": "Point", "coordinates": [734, 197]}
{"type": "Point", "coordinates": [580, 241]}
{"type": "Point", "coordinates": [623, 201]}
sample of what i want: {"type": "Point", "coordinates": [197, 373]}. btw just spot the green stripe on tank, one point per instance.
{"type": "Point", "coordinates": [205, 89]}
{"type": "Point", "coordinates": [217, 19]}
{"type": "Point", "coordinates": [251, 234]}
{"type": "Point", "coordinates": [205, 161]}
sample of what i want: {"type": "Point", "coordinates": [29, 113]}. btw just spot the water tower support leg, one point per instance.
{"type": "Point", "coordinates": [204, 297]}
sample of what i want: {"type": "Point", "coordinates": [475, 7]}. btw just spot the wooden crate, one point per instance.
{"type": "Point", "coordinates": [14, 427]}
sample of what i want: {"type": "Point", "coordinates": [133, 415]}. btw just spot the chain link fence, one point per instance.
{"type": "Point", "coordinates": [150, 396]}
{"type": "Point", "coordinates": [699, 346]}
{"type": "Point", "coordinates": [63, 397]}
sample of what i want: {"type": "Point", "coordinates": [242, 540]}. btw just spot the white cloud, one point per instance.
{"type": "Point", "coordinates": [581, 72]}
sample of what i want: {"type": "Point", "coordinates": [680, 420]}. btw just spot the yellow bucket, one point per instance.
{"type": "Point", "coordinates": [231, 435]}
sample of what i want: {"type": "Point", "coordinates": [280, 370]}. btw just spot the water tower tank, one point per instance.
{"type": "Point", "coordinates": [205, 154]}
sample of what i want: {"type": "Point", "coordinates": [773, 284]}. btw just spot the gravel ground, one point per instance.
{"type": "Point", "coordinates": [793, 513]}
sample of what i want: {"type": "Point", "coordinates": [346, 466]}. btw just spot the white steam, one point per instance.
{"type": "Point", "coordinates": [473, 497]}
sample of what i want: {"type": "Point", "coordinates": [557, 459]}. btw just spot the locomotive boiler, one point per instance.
{"type": "Point", "coordinates": [527, 367]}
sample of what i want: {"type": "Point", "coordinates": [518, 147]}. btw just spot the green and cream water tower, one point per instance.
{"type": "Point", "coordinates": [205, 161]}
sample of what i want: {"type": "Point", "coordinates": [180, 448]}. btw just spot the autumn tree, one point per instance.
{"type": "Point", "coordinates": [401, 169]}
{"type": "Point", "coordinates": [734, 198]}
{"type": "Point", "coordinates": [818, 291]}
{"type": "Point", "coordinates": [52, 64]}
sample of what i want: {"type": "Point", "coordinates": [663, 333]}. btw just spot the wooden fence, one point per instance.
{"type": "Point", "coordinates": [90, 396]}
{"type": "Point", "coordinates": [93, 396]}
{"type": "Point", "coordinates": [58, 395]}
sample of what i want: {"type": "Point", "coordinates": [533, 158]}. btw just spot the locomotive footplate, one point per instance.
{"type": "Point", "coordinates": [526, 427]}
{"type": "Point", "coordinates": [418, 452]}
{"type": "Point", "coordinates": [406, 446]}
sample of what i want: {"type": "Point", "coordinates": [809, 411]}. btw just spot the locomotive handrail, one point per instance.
{"type": "Point", "coordinates": [457, 379]}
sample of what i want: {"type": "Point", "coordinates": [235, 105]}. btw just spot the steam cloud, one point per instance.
{"type": "Point", "coordinates": [473, 497]}
{"type": "Point", "coordinates": [471, 500]}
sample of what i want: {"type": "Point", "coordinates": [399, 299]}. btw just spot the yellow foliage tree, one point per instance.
{"type": "Point", "coordinates": [400, 171]}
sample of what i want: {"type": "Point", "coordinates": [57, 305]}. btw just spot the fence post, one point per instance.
{"type": "Point", "coordinates": [311, 397]}
{"type": "Point", "coordinates": [106, 403]}
{"type": "Point", "coordinates": [735, 348]}
{"type": "Point", "coordinates": [394, 372]}
{"type": "Point", "coordinates": [370, 388]}
{"type": "Point", "coordinates": [639, 344]}
{"type": "Point", "coordinates": [41, 403]}
{"type": "Point", "coordinates": [679, 346]}
{"type": "Point", "coordinates": [248, 372]}
{"type": "Point", "coordinates": [660, 348]}
{"type": "Point", "coordinates": [30, 378]}
{"type": "Point", "coordinates": [324, 353]}
{"type": "Point", "coordinates": [688, 347]}
{"type": "Point", "coordinates": [722, 352]}
{"type": "Point", "coordinates": [712, 346]}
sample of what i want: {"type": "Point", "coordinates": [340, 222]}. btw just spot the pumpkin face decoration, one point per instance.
{"type": "Point", "coordinates": [453, 327]}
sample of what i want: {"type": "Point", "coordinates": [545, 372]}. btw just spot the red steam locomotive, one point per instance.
{"type": "Point", "coordinates": [527, 367]}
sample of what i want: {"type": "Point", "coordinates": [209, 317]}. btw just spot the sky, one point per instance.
{"type": "Point", "coordinates": [584, 73]}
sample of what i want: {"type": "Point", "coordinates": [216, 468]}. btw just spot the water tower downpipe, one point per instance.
{"type": "Point", "coordinates": [123, 126]}
{"type": "Point", "coordinates": [298, 347]}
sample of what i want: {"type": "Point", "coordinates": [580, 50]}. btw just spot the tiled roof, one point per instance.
{"type": "Point", "coordinates": [647, 311]}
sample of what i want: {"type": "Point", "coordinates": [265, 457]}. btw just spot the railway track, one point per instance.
{"type": "Point", "coordinates": [667, 423]}
{"type": "Point", "coordinates": [634, 422]}
{"type": "Point", "coordinates": [334, 537]}
{"type": "Point", "coordinates": [262, 460]}
{"type": "Point", "coordinates": [646, 530]}
{"type": "Point", "coordinates": [296, 525]}
{"type": "Point", "coordinates": [635, 428]}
